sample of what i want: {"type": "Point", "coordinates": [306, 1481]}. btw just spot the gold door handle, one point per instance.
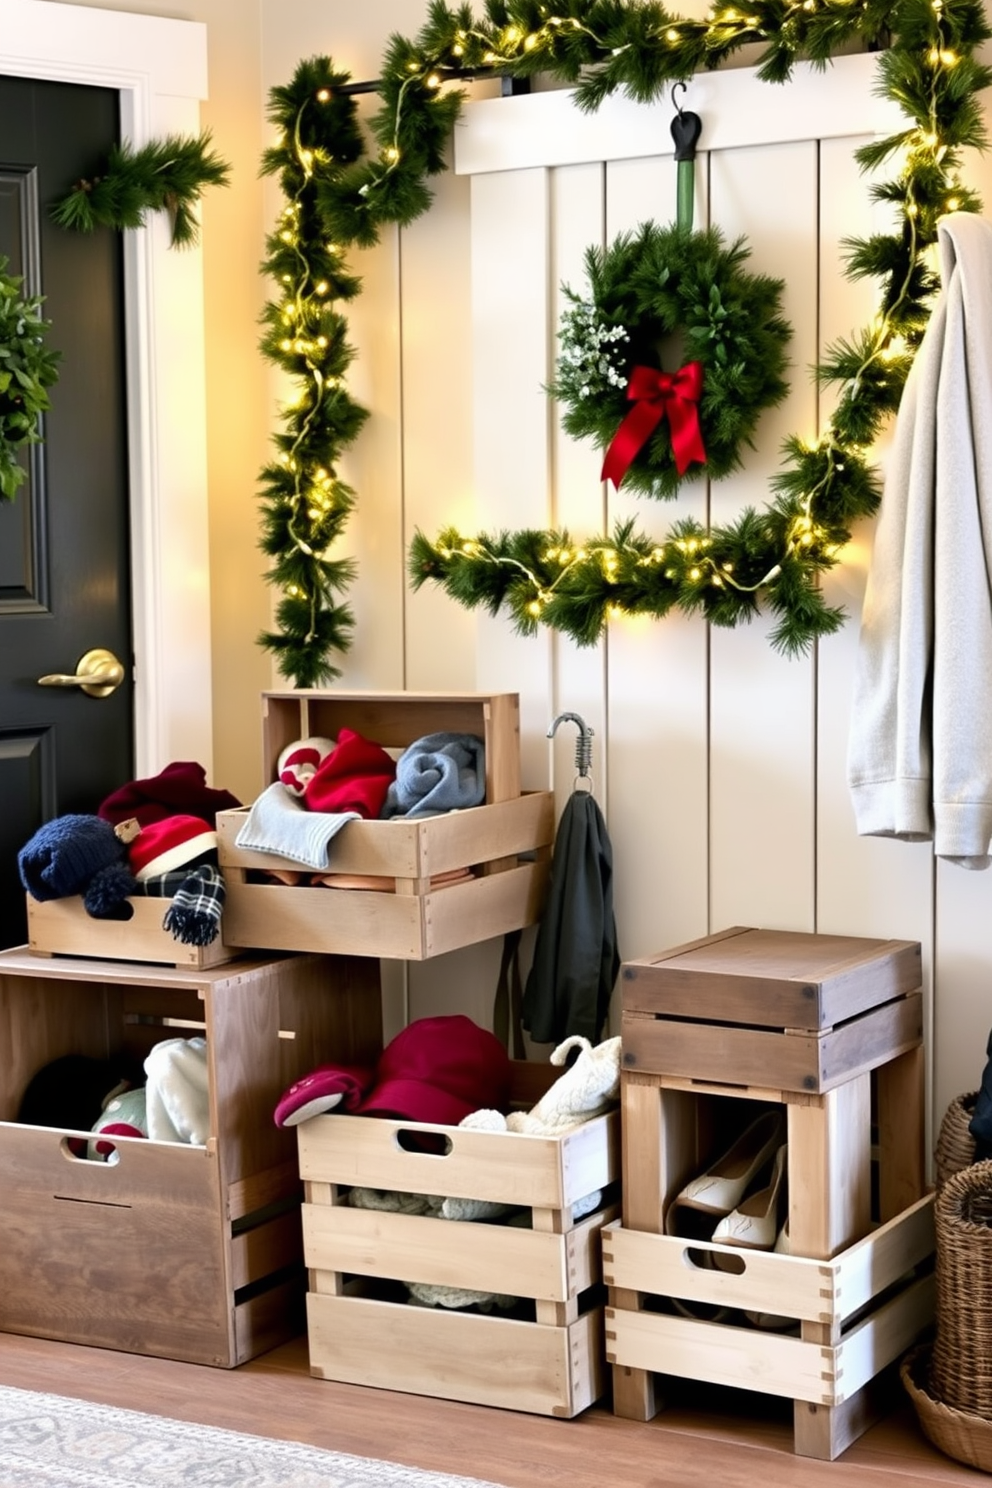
{"type": "Point", "coordinates": [98, 674]}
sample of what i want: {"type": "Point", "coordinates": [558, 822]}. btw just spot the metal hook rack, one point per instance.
{"type": "Point", "coordinates": [583, 745]}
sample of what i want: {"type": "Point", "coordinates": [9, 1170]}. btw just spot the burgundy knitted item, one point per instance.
{"type": "Point", "coordinates": [180, 789]}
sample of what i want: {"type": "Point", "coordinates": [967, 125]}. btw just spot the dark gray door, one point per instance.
{"type": "Point", "coordinates": [64, 559]}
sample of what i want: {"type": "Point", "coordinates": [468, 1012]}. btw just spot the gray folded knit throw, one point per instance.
{"type": "Point", "coordinates": [440, 772]}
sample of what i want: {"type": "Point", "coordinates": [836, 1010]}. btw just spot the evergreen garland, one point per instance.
{"type": "Point", "coordinates": [27, 370]}
{"type": "Point", "coordinates": [927, 64]}
{"type": "Point", "coordinates": [305, 504]}
{"type": "Point", "coordinates": [166, 175]}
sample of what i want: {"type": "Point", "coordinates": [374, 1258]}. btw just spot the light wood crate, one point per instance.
{"type": "Point", "coordinates": [551, 1365]}
{"type": "Point", "coordinates": [853, 1315]}
{"type": "Point", "coordinates": [181, 1252]}
{"type": "Point", "coordinates": [61, 927]}
{"type": "Point", "coordinates": [506, 842]}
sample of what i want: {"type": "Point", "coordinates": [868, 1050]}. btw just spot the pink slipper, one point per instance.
{"type": "Point", "coordinates": [328, 1088]}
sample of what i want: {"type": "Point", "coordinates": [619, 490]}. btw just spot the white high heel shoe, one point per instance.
{"type": "Point", "coordinates": [756, 1221]}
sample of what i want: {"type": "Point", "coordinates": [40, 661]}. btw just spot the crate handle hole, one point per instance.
{"type": "Point", "coordinates": [708, 1260]}
{"type": "Point", "coordinates": [73, 1149]}
{"type": "Point", "coordinates": [434, 1144]}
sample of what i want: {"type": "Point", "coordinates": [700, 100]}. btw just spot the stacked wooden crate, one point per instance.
{"type": "Point", "coordinates": [505, 842]}
{"type": "Point", "coordinates": [546, 1355]}
{"type": "Point", "coordinates": [830, 1029]}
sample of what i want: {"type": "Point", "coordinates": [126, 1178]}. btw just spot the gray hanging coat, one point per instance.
{"type": "Point", "coordinates": [576, 958]}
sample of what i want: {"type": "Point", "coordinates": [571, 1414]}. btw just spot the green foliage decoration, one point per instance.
{"type": "Point", "coordinates": [28, 368]}
{"type": "Point", "coordinates": [305, 504]}
{"type": "Point", "coordinates": [928, 65]}
{"type": "Point", "coordinates": [661, 282]}
{"type": "Point", "coordinates": [165, 175]}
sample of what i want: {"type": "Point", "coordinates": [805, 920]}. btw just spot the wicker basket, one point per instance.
{"type": "Point", "coordinates": [955, 1147]}
{"type": "Point", "coordinates": [966, 1438]}
{"type": "Point", "coordinates": [961, 1368]}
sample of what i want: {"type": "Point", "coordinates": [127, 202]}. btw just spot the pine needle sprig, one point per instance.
{"type": "Point", "coordinates": [168, 174]}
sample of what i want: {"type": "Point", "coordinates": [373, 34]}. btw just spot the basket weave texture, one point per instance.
{"type": "Point", "coordinates": [961, 1368]}
{"type": "Point", "coordinates": [966, 1438]}
{"type": "Point", "coordinates": [955, 1148]}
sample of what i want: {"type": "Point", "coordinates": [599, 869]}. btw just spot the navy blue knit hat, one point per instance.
{"type": "Point", "coordinates": [70, 855]}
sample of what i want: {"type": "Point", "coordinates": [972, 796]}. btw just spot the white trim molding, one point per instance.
{"type": "Point", "coordinates": [737, 108]}
{"type": "Point", "coordinates": [159, 67]}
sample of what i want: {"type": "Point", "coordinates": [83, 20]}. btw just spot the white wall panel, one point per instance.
{"type": "Point", "coordinates": [659, 816]}
{"type": "Point", "coordinates": [436, 310]}
{"type": "Point", "coordinates": [512, 421]}
{"type": "Point", "coordinates": [579, 504]}
{"type": "Point", "coordinates": [761, 703]}
{"type": "Point", "coordinates": [373, 467]}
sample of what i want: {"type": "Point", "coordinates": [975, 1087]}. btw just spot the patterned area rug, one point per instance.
{"type": "Point", "coordinates": [49, 1441]}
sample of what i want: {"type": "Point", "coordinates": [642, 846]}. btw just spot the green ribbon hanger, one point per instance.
{"type": "Point", "coordinates": [686, 129]}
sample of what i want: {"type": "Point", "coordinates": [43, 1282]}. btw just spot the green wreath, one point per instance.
{"type": "Point", "coordinates": [658, 427]}
{"type": "Point", "coordinates": [28, 368]}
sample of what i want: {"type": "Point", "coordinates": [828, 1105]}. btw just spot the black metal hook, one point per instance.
{"type": "Point", "coordinates": [677, 106]}
{"type": "Point", "coordinates": [686, 129]}
{"type": "Point", "coordinates": [583, 744]}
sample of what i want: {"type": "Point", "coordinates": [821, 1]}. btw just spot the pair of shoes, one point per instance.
{"type": "Point", "coordinates": [719, 1190]}
{"type": "Point", "coordinates": [714, 1195]}
{"type": "Point", "coordinates": [756, 1222]}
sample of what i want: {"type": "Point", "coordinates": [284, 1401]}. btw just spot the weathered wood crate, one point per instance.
{"type": "Point", "coordinates": [505, 842]}
{"type": "Point", "coordinates": [829, 1028]}
{"type": "Point", "coordinates": [183, 1252]}
{"type": "Point", "coordinates": [61, 927]}
{"type": "Point", "coordinates": [551, 1362]}
{"type": "Point", "coordinates": [772, 1008]}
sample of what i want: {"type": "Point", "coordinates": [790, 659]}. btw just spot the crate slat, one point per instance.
{"type": "Point", "coordinates": [482, 1360]}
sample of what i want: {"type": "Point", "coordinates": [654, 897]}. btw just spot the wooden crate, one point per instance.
{"type": "Point", "coordinates": [550, 1363]}
{"type": "Point", "coordinates": [183, 1252]}
{"type": "Point", "coordinates": [830, 1029]}
{"type": "Point", "coordinates": [853, 1315]}
{"type": "Point", "coordinates": [505, 842]}
{"type": "Point", "coordinates": [61, 927]}
{"type": "Point", "coordinates": [772, 1008]}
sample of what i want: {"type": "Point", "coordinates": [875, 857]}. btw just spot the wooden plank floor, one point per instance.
{"type": "Point", "coordinates": [706, 1437]}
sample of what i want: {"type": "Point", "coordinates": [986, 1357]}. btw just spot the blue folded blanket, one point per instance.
{"type": "Point", "coordinates": [279, 823]}
{"type": "Point", "coordinates": [440, 772]}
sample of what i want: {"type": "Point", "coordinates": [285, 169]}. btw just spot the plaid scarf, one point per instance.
{"type": "Point", "coordinates": [197, 901]}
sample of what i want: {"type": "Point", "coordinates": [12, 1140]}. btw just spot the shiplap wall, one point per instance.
{"type": "Point", "coordinates": [720, 764]}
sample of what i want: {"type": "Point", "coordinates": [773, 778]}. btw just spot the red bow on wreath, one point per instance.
{"type": "Point", "coordinates": [654, 394]}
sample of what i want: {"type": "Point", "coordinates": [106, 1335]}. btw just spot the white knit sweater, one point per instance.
{"type": "Point", "coordinates": [920, 749]}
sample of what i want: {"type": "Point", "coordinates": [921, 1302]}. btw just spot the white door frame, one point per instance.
{"type": "Point", "coordinates": [159, 68]}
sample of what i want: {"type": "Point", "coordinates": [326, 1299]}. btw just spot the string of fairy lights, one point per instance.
{"type": "Point", "coordinates": [773, 557]}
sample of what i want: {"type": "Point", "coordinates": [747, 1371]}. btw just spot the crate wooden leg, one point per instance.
{"type": "Point", "coordinates": [901, 1147]}
{"type": "Point", "coordinates": [830, 1169]}
{"type": "Point", "coordinates": [824, 1431]}
{"type": "Point", "coordinates": [660, 1148]}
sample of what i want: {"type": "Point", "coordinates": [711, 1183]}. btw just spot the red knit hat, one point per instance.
{"type": "Point", "coordinates": [439, 1070]}
{"type": "Point", "coordinates": [353, 777]}
{"type": "Point", "coordinates": [165, 845]}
